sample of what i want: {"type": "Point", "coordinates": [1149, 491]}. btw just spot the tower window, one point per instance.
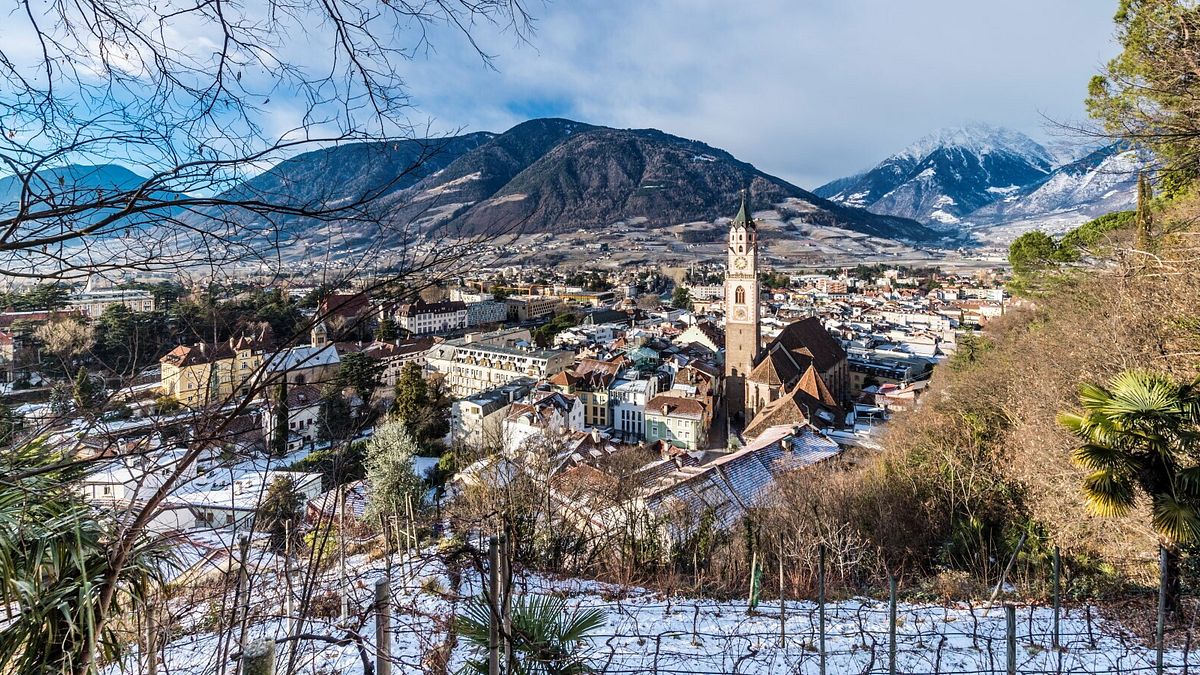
{"type": "Point", "coordinates": [739, 296]}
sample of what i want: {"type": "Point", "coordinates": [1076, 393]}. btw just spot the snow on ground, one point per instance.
{"type": "Point", "coordinates": [649, 633]}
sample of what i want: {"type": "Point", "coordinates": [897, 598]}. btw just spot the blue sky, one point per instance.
{"type": "Point", "coordinates": [806, 89]}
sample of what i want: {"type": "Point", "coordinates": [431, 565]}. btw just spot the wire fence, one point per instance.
{"type": "Point", "coordinates": [326, 623]}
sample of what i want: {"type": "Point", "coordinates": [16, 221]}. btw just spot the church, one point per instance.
{"type": "Point", "coordinates": [799, 376]}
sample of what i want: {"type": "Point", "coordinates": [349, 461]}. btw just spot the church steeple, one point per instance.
{"type": "Point", "coordinates": [743, 215]}
{"type": "Point", "coordinates": [742, 330]}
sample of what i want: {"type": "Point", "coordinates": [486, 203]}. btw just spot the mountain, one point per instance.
{"type": "Point", "coordinates": [945, 176]}
{"type": "Point", "coordinates": [557, 175]}
{"type": "Point", "coordinates": [75, 184]}
{"type": "Point", "coordinates": [1103, 181]}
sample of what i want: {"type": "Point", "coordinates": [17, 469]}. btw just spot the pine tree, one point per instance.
{"type": "Point", "coordinates": [84, 393]}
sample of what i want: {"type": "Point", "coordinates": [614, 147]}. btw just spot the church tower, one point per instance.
{"type": "Point", "coordinates": [742, 334]}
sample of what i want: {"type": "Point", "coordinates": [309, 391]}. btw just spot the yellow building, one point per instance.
{"type": "Point", "coordinates": [591, 381]}
{"type": "Point", "coordinates": [211, 374]}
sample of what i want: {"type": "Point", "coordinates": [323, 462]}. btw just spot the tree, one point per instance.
{"type": "Point", "coordinates": [10, 424]}
{"type": "Point", "coordinates": [681, 298]}
{"type": "Point", "coordinates": [57, 556]}
{"type": "Point", "coordinates": [386, 332]}
{"type": "Point", "coordinates": [67, 339]}
{"type": "Point", "coordinates": [85, 394]}
{"type": "Point", "coordinates": [361, 372]}
{"type": "Point", "coordinates": [412, 395]}
{"type": "Point", "coordinates": [1032, 252]}
{"type": "Point", "coordinates": [389, 464]}
{"type": "Point", "coordinates": [547, 637]}
{"type": "Point", "coordinates": [334, 422]}
{"type": "Point", "coordinates": [281, 513]}
{"type": "Point", "coordinates": [1143, 218]}
{"type": "Point", "coordinates": [1149, 93]}
{"type": "Point", "coordinates": [1140, 432]}
{"type": "Point", "coordinates": [279, 439]}
{"type": "Point", "coordinates": [649, 302]}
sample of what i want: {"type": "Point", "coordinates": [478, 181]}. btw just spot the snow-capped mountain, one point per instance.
{"type": "Point", "coordinates": [1101, 182]}
{"type": "Point", "coordinates": [946, 175]}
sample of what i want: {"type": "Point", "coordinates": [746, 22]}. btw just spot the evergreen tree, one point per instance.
{"type": "Point", "coordinates": [412, 394]}
{"type": "Point", "coordinates": [386, 332]}
{"type": "Point", "coordinates": [279, 438]}
{"type": "Point", "coordinates": [281, 513]}
{"type": "Point", "coordinates": [1143, 217]}
{"type": "Point", "coordinates": [389, 464]}
{"type": "Point", "coordinates": [84, 393]}
{"type": "Point", "coordinates": [361, 372]}
{"type": "Point", "coordinates": [334, 422]}
{"type": "Point", "coordinates": [681, 298]}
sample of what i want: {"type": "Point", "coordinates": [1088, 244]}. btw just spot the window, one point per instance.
{"type": "Point", "coordinates": [740, 295]}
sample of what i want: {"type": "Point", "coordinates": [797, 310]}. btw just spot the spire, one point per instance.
{"type": "Point", "coordinates": [743, 214]}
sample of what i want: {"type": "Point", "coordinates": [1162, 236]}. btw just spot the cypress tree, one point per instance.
{"type": "Point", "coordinates": [1144, 219]}
{"type": "Point", "coordinates": [279, 439]}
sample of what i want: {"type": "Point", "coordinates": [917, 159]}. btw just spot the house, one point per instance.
{"type": "Point", "coordinates": [303, 409]}
{"type": "Point", "coordinates": [629, 399]}
{"type": "Point", "coordinates": [477, 421]}
{"type": "Point", "coordinates": [590, 380]}
{"type": "Point", "coordinates": [303, 364]}
{"type": "Point", "coordinates": [222, 503]}
{"type": "Point", "coordinates": [486, 312]}
{"type": "Point", "coordinates": [532, 307]}
{"type": "Point", "coordinates": [470, 366]}
{"type": "Point", "coordinates": [679, 420]}
{"type": "Point", "coordinates": [544, 416]}
{"type": "Point", "coordinates": [705, 333]}
{"type": "Point", "coordinates": [212, 373]}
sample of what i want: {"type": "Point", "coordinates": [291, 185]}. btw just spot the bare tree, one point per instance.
{"type": "Point", "coordinates": [176, 97]}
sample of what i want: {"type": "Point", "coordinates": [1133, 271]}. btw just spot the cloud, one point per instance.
{"type": "Point", "coordinates": [806, 90]}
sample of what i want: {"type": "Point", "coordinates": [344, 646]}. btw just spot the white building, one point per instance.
{"type": "Point", "coordinates": [546, 415]}
{"type": "Point", "coordinates": [303, 408]}
{"type": "Point", "coordinates": [477, 420]}
{"type": "Point", "coordinates": [427, 318]}
{"type": "Point", "coordinates": [225, 504]}
{"type": "Point", "coordinates": [93, 303]}
{"type": "Point", "coordinates": [471, 367]}
{"type": "Point", "coordinates": [628, 399]}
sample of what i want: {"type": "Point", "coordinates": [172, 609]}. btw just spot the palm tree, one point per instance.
{"type": "Point", "coordinates": [54, 559]}
{"type": "Point", "coordinates": [1140, 432]}
{"type": "Point", "coordinates": [547, 639]}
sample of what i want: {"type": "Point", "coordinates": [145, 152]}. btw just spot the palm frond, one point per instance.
{"type": "Point", "coordinates": [1096, 457]}
{"type": "Point", "coordinates": [1108, 494]}
{"type": "Point", "coordinates": [1175, 520]}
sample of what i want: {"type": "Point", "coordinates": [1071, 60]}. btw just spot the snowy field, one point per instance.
{"type": "Point", "coordinates": [649, 633]}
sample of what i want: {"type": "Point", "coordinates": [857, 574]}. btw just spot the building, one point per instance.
{"type": "Point", "coordinates": [755, 376]}
{"type": "Point", "coordinates": [477, 421]}
{"type": "Point", "coordinates": [532, 307]}
{"type": "Point", "coordinates": [678, 420]}
{"type": "Point", "coordinates": [303, 409]}
{"type": "Point", "coordinates": [590, 380]}
{"type": "Point", "coordinates": [428, 318]}
{"type": "Point", "coordinates": [304, 364]}
{"type": "Point", "coordinates": [93, 303]}
{"type": "Point", "coordinates": [471, 367]}
{"type": "Point", "coordinates": [629, 399]}
{"type": "Point", "coordinates": [212, 373]}
{"type": "Point", "coordinates": [486, 312]}
{"type": "Point", "coordinates": [742, 333]}
{"type": "Point", "coordinates": [543, 418]}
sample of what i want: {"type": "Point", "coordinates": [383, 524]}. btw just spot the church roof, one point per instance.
{"type": "Point", "coordinates": [808, 401]}
{"type": "Point", "coordinates": [809, 337]}
{"type": "Point", "coordinates": [778, 367]}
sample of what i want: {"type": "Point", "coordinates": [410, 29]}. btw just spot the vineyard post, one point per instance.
{"type": "Point", "coordinates": [891, 624]}
{"type": "Point", "coordinates": [1010, 623]}
{"type": "Point", "coordinates": [1162, 609]}
{"type": "Point", "coordinates": [383, 628]}
{"type": "Point", "coordinates": [1057, 595]}
{"type": "Point", "coordinates": [821, 603]}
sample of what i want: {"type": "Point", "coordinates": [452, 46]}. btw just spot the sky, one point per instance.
{"type": "Point", "coordinates": [809, 90]}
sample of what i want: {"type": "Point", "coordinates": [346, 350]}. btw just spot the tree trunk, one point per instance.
{"type": "Point", "coordinates": [1174, 590]}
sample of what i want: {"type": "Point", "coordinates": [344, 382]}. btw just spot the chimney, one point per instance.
{"type": "Point", "coordinates": [595, 435]}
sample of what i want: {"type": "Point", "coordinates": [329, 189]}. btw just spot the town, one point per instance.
{"type": "Point", "coordinates": [720, 368]}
